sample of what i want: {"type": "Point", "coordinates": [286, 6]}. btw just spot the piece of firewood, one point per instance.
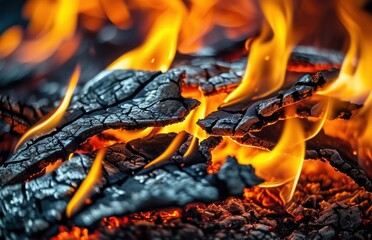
{"type": "Point", "coordinates": [37, 207]}
{"type": "Point", "coordinates": [120, 99]}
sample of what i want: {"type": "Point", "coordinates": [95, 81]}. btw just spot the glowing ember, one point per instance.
{"type": "Point", "coordinates": [53, 120]}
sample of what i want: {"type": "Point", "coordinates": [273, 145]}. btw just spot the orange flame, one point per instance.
{"type": "Point", "coordinates": [354, 82]}
{"type": "Point", "coordinates": [159, 48]}
{"type": "Point", "coordinates": [269, 53]}
{"type": "Point", "coordinates": [207, 105]}
{"type": "Point", "coordinates": [174, 146]}
{"type": "Point", "coordinates": [51, 23]}
{"type": "Point", "coordinates": [10, 40]}
{"type": "Point", "coordinates": [57, 115]}
{"type": "Point", "coordinates": [282, 166]}
{"type": "Point", "coordinates": [86, 186]}
{"type": "Point", "coordinates": [279, 167]}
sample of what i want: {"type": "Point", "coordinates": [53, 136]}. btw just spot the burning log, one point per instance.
{"type": "Point", "coordinates": [322, 147]}
{"type": "Point", "coordinates": [43, 201]}
{"type": "Point", "coordinates": [117, 99]}
{"type": "Point", "coordinates": [326, 204]}
{"type": "Point", "coordinates": [240, 120]}
{"type": "Point", "coordinates": [219, 76]}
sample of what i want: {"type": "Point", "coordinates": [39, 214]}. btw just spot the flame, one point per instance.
{"type": "Point", "coordinates": [10, 40]}
{"type": "Point", "coordinates": [86, 186]}
{"type": "Point", "coordinates": [279, 167]}
{"type": "Point", "coordinates": [117, 11]}
{"type": "Point", "coordinates": [56, 116]}
{"type": "Point", "coordinates": [207, 105]}
{"type": "Point", "coordinates": [173, 147]}
{"type": "Point", "coordinates": [269, 53]}
{"type": "Point", "coordinates": [282, 166]}
{"type": "Point", "coordinates": [320, 123]}
{"type": "Point", "coordinates": [51, 23]}
{"type": "Point", "coordinates": [354, 82]}
{"type": "Point", "coordinates": [159, 48]}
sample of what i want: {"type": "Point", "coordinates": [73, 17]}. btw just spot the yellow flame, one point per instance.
{"type": "Point", "coordinates": [57, 115]}
{"type": "Point", "coordinates": [52, 23]}
{"type": "Point", "coordinates": [354, 82]}
{"type": "Point", "coordinates": [192, 30]}
{"type": "Point", "coordinates": [172, 148]}
{"type": "Point", "coordinates": [117, 11]}
{"type": "Point", "coordinates": [159, 48]}
{"type": "Point", "coordinates": [10, 40]}
{"type": "Point", "coordinates": [282, 166]}
{"type": "Point", "coordinates": [279, 167]}
{"type": "Point", "coordinates": [87, 185]}
{"type": "Point", "coordinates": [269, 53]}
{"type": "Point", "coordinates": [320, 123]}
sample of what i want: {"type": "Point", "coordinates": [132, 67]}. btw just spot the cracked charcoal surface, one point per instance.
{"type": "Point", "coordinates": [39, 205]}
{"type": "Point", "coordinates": [339, 208]}
{"type": "Point", "coordinates": [239, 120]}
{"type": "Point", "coordinates": [219, 76]}
{"type": "Point", "coordinates": [337, 152]}
{"type": "Point", "coordinates": [123, 99]}
{"type": "Point", "coordinates": [343, 165]}
{"type": "Point", "coordinates": [20, 117]}
{"type": "Point", "coordinates": [333, 150]}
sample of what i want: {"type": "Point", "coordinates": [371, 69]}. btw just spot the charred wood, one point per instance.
{"type": "Point", "coordinates": [114, 99]}
{"type": "Point", "coordinates": [38, 206]}
{"type": "Point", "coordinates": [240, 120]}
{"type": "Point", "coordinates": [223, 76]}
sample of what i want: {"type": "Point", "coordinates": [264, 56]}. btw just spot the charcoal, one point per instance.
{"type": "Point", "coordinates": [340, 215]}
{"type": "Point", "coordinates": [168, 186]}
{"type": "Point", "coordinates": [259, 231]}
{"type": "Point", "coordinates": [326, 148]}
{"type": "Point", "coordinates": [39, 205]}
{"type": "Point", "coordinates": [239, 120]}
{"type": "Point", "coordinates": [124, 99]}
{"type": "Point", "coordinates": [310, 59]}
{"type": "Point", "coordinates": [342, 164]}
{"type": "Point", "coordinates": [325, 233]}
{"type": "Point", "coordinates": [223, 76]}
{"type": "Point", "coordinates": [20, 117]}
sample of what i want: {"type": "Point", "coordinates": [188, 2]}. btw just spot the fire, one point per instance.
{"type": "Point", "coordinates": [51, 25]}
{"type": "Point", "coordinates": [174, 146]}
{"type": "Point", "coordinates": [10, 40]}
{"type": "Point", "coordinates": [279, 167]}
{"type": "Point", "coordinates": [269, 53]}
{"type": "Point", "coordinates": [53, 120]}
{"type": "Point", "coordinates": [203, 16]}
{"type": "Point", "coordinates": [354, 82]}
{"type": "Point", "coordinates": [87, 185]}
{"type": "Point", "coordinates": [159, 48]}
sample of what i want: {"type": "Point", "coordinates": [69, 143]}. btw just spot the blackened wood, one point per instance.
{"type": "Point", "coordinates": [122, 99]}
{"type": "Point", "coordinates": [310, 59]}
{"type": "Point", "coordinates": [241, 119]}
{"type": "Point", "coordinates": [36, 207]}
{"type": "Point", "coordinates": [333, 150]}
{"type": "Point", "coordinates": [342, 164]}
{"type": "Point", "coordinates": [20, 117]}
{"type": "Point", "coordinates": [215, 76]}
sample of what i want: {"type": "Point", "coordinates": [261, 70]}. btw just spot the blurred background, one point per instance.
{"type": "Point", "coordinates": [42, 40]}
